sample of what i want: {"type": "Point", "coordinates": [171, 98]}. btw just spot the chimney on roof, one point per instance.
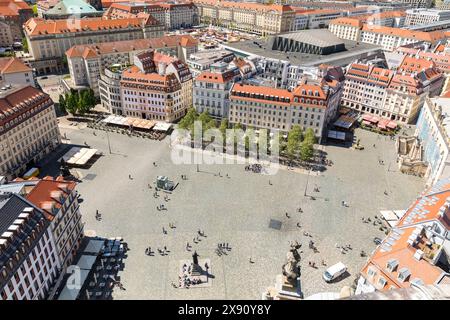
{"type": "Point", "coordinates": [418, 254]}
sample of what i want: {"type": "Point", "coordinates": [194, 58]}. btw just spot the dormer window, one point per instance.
{"type": "Point", "coordinates": [382, 282]}
{"type": "Point", "coordinates": [403, 274]}
{"type": "Point", "coordinates": [371, 271]}
{"type": "Point", "coordinates": [392, 265]}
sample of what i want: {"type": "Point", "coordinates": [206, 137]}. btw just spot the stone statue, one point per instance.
{"type": "Point", "coordinates": [195, 258]}
{"type": "Point", "coordinates": [291, 268]}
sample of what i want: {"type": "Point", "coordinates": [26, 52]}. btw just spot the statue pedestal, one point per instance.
{"type": "Point", "coordinates": [196, 270]}
{"type": "Point", "coordinates": [287, 290]}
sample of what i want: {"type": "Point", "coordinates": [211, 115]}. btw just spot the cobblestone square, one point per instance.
{"type": "Point", "coordinates": [236, 210]}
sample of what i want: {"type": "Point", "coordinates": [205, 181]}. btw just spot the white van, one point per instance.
{"type": "Point", "coordinates": [334, 271]}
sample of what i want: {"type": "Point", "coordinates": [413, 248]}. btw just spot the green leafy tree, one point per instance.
{"type": "Point", "coordinates": [223, 127]}
{"type": "Point", "coordinates": [64, 61]}
{"type": "Point", "coordinates": [80, 100]}
{"type": "Point", "coordinates": [89, 100]}
{"type": "Point", "coordinates": [25, 45]}
{"type": "Point", "coordinates": [71, 103]}
{"type": "Point", "coordinates": [310, 135]}
{"type": "Point", "coordinates": [237, 126]}
{"type": "Point", "coordinates": [62, 102]}
{"type": "Point", "coordinates": [188, 119]}
{"type": "Point", "coordinates": [249, 134]}
{"type": "Point", "coordinates": [293, 142]}
{"type": "Point", "coordinates": [306, 150]}
{"type": "Point", "coordinates": [206, 120]}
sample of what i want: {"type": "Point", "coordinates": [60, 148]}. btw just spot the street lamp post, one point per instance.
{"type": "Point", "coordinates": [307, 179]}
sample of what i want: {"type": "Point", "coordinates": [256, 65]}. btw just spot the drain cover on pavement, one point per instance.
{"type": "Point", "coordinates": [275, 224]}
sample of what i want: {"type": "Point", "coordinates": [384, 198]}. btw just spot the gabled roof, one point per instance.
{"type": "Point", "coordinates": [352, 22]}
{"type": "Point", "coordinates": [19, 101]}
{"type": "Point", "coordinates": [215, 77]}
{"type": "Point", "coordinates": [13, 65]}
{"type": "Point", "coordinates": [38, 26]}
{"type": "Point", "coordinates": [247, 5]}
{"type": "Point", "coordinates": [130, 45]}
{"type": "Point", "coordinates": [431, 37]}
{"type": "Point", "coordinates": [47, 193]}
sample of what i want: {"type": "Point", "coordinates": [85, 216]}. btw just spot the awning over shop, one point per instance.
{"type": "Point", "coordinates": [78, 156]}
{"type": "Point", "coordinates": [162, 126]}
{"type": "Point", "coordinates": [128, 121]}
{"type": "Point", "coordinates": [392, 125]}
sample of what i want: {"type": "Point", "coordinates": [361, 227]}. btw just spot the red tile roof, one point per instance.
{"type": "Point", "coordinates": [47, 192]}
{"type": "Point", "coordinates": [19, 102]}
{"type": "Point", "coordinates": [94, 50]}
{"type": "Point", "coordinates": [348, 22]}
{"type": "Point", "coordinates": [213, 77]}
{"type": "Point", "coordinates": [246, 5]}
{"type": "Point", "coordinates": [38, 26]}
{"type": "Point", "coordinates": [13, 65]}
{"type": "Point", "coordinates": [407, 237]}
{"type": "Point", "coordinates": [431, 37]}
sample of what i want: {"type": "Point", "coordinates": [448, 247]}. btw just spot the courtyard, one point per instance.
{"type": "Point", "coordinates": [236, 210]}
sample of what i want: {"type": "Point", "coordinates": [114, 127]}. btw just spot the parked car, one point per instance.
{"type": "Point", "coordinates": [377, 241]}
{"type": "Point", "coordinates": [334, 272]}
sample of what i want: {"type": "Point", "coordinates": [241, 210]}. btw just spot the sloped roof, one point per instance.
{"type": "Point", "coordinates": [77, 7]}
{"type": "Point", "coordinates": [13, 65]}
{"type": "Point", "coordinates": [132, 45]}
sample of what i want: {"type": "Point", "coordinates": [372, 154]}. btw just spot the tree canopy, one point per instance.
{"type": "Point", "coordinates": [78, 102]}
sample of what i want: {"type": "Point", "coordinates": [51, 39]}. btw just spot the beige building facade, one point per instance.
{"type": "Point", "coordinates": [48, 40]}
{"type": "Point", "coordinates": [88, 62]}
{"type": "Point", "coordinates": [28, 129]}
{"type": "Point", "coordinates": [247, 17]}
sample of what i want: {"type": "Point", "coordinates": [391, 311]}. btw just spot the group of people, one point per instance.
{"type": "Point", "coordinates": [221, 247]}
{"type": "Point", "coordinates": [164, 251]}
{"type": "Point", "coordinates": [256, 168]}
{"type": "Point", "coordinates": [185, 279]}
{"type": "Point", "coordinates": [183, 177]}
{"type": "Point", "coordinates": [344, 249]}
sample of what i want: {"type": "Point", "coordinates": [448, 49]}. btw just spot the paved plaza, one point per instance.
{"type": "Point", "coordinates": [236, 210]}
